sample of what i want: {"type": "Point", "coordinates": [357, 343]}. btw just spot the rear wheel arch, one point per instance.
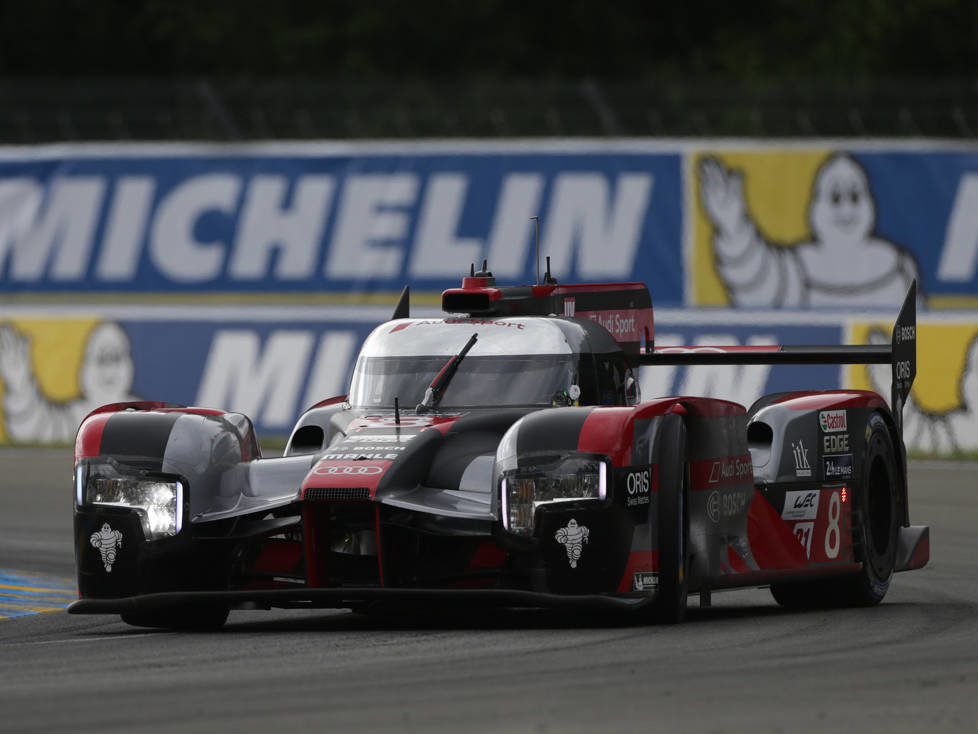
{"type": "Point", "coordinates": [878, 511]}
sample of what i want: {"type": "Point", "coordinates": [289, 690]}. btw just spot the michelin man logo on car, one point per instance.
{"type": "Point", "coordinates": [573, 538]}
{"type": "Point", "coordinates": [842, 263]}
{"type": "Point", "coordinates": [107, 541]}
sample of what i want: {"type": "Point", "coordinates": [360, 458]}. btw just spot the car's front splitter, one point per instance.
{"type": "Point", "coordinates": [339, 598]}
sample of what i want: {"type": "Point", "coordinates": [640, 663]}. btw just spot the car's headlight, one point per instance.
{"type": "Point", "coordinates": [526, 488]}
{"type": "Point", "coordinates": [158, 501]}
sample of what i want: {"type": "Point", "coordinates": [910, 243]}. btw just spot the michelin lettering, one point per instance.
{"type": "Point", "coordinates": [224, 225]}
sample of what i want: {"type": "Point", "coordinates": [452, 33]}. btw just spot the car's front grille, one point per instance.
{"type": "Point", "coordinates": [337, 493]}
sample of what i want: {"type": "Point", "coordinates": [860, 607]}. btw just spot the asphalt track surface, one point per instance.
{"type": "Point", "coordinates": [909, 665]}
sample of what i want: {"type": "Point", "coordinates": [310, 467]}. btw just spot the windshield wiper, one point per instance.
{"type": "Point", "coordinates": [434, 391]}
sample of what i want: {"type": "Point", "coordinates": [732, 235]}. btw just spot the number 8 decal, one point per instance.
{"type": "Point", "coordinates": [833, 534]}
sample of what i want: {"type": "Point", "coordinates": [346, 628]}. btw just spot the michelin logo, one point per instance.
{"type": "Point", "coordinates": [105, 375]}
{"type": "Point", "coordinates": [842, 215]}
{"type": "Point", "coordinates": [241, 230]}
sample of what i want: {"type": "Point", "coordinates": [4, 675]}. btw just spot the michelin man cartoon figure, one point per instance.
{"type": "Point", "coordinates": [107, 541]}
{"type": "Point", "coordinates": [105, 376]}
{"type": "Point", "coordinates": [843, 264]}
{"type": "Point", "coordinates": [573, 538]}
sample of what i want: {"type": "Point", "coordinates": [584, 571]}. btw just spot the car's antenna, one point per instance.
{"type": "Point", "coordinates": [537, 219]}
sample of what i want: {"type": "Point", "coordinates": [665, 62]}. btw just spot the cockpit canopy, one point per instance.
{"type": "Point", "coordinates": [517, 361]}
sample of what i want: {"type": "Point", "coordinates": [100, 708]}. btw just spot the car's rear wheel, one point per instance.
{"type": "Point", "coordinates": [672, 523]}
{"type": "Point", "coordinates": [185, 618]}
{"type": "Point", "coordinates": [880, 512]}
{"type": "Point", "coordinates": [877, 517]}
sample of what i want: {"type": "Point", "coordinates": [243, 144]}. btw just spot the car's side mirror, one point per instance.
{"type": "Point", "coordinates": [633, 392]}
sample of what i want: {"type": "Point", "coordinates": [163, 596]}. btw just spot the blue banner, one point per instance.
{"type": "Point", "coordinates": [759, 225]}
{"type": "Point", "coordinates": [371, 218]}
{"type": "Point", "coordinates": [54, 369]}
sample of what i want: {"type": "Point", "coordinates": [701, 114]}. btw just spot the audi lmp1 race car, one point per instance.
{"type": "Point", "coordinates": [502, 456]}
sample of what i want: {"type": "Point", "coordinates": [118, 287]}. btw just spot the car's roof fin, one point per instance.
{"type": "Point", "coordinates": [403, 308]}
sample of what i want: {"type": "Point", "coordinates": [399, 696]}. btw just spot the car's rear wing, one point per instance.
{"type": "Point", "coordinates": [900, 354]}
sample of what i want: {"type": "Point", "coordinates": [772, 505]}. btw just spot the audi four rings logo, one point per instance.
{"type": "Point", "coordinates": [357, 470]}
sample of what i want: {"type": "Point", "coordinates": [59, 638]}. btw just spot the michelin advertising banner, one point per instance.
{"type": "Point", "coordinates": [273, 363]}
{"type": "Point", "coordinates": [702, 223]}
{"type": "Point", "coordinates": [332, 219]}
{"type": "Point", "coordinates": [739, 242]}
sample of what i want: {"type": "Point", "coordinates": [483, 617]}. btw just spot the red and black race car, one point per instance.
{"type": "Point", "coordinates": [502, 455]}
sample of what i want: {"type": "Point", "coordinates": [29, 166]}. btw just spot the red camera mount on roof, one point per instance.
{"type": "Point", "coordinates": [624, 309]}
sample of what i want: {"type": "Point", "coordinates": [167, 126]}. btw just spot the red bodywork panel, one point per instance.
{"type": "Point", "coordinates": [88, 439]}
{"type": "Point", "coordinates": [623, 309]}
{"type": "Point", "coordinates": [825, 399]}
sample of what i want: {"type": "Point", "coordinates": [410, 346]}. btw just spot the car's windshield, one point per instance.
{"type": "Point", "coordinates": [480, 381]}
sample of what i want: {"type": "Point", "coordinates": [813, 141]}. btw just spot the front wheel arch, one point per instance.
{"type": "Point", "coordinates": [672, 524]}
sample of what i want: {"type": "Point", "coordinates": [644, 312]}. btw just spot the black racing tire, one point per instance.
{"type": "Point", "coordinates": [876, 525]}
{"type": "Point", "coordinates": [672, 523]}
{"type": "Point", "coordinates": [186, 618]}
{"type": "Point", "coordinates": [880, 511]}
